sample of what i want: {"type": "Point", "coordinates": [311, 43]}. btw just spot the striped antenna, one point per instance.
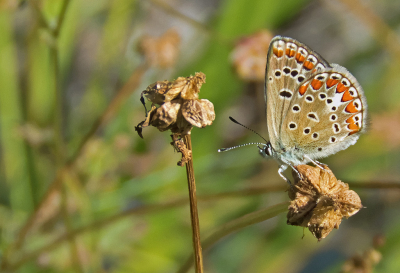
{"type": "Point", "coordinates": [238, 146]}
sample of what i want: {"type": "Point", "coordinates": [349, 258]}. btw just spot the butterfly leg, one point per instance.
{"type": "Point", "coordinates": [282, 168]}
{"type": "Point", "coordinates": [315, 162]}
{"type": "Point", "coordinates": [294, 169]}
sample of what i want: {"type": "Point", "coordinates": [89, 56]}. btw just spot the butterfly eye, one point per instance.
{"type": "Point", "coordinates": [268, 150]}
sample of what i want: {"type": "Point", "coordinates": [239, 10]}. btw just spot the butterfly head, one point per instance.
{"type": "Point", "coordinates": [266, 150]}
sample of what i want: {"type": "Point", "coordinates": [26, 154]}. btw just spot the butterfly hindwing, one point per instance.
{"type": "Point", "coordinates": [326, 115]}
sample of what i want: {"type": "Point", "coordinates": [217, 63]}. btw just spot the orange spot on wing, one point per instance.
{"type": "Point", "coordinates": [303, 89]}
{"type": "Point", "coordinates": [350, 120]}
{"type": "Point", "coordinates": [278, 52]}
{"type": "Point", "coordinates": [300, 58]}
{"type": "Point", "coordinates": [352, 125]}
{"type": "Point", "coordinates": [351, 108]}
{"type": "Point", "coordinates": [331, 82]}
{"type": "Point", "coordinates": [341, 88]}
{"type": "Point", "coordinates": [347, 96]}
{"type": "Point", "coordinates": [308, 65]}
{"type": "Point", "coordinates": [290, 52]}
{"type": "Point", "coordinates": [316, 84]}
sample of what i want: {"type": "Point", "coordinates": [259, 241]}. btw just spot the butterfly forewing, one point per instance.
{"type": "Point", "coordinates": [289, 65]}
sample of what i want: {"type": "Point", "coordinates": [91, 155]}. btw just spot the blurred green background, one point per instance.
{"type": "Point", "coordinates": [81, 192]}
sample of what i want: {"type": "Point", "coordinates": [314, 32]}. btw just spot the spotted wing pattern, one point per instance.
{"type": "Point", "coordinates": [325, 115]}
{"type": "Point", "coordinates": [289, 65]}
{"type": "Point", "coordinates": [313, 108]}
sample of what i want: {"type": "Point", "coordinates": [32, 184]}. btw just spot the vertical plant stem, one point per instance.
{"type": "Point", "coordinates": [198, 255]}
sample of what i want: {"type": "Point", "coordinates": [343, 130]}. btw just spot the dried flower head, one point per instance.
{"type": "Point", "coordinates": [180, 107]}
{"type": "Point", "coordinates": [320, 201]}
{"type": "Point", "coordinates": [163, 51]}
{"type": "Point", "coordinates": [248, 57]}
{"type": "Point", "coordinates": [362, 263]}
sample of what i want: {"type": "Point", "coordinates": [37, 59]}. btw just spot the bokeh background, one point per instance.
{"type": "Point", "coordinates": [81, 192]}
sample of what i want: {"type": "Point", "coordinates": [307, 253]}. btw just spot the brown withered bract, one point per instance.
{"type": "Point", "coordinates": [180, 147]}
{"type": "Point", "coordinates": [320, 201]}
{"type": "Point", "coordinates": [187, 88]}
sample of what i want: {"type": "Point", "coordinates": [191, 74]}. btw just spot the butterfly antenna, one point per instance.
{"type": "Point", "coordinates": [238, 146]}
{"type": "Point", "coordinates": [237, 122]}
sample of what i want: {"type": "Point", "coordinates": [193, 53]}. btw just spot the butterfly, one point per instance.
{"type": "Point", "coordinates": [314, 109]}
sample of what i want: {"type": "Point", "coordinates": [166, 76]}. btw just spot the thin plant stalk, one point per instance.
{"type": "Point", "coordinates": [237, 224]}
{"type": "Point", "coordinates": [198, 255]}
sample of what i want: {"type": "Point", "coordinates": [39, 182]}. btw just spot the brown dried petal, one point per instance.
{"type": "Point", "coordinates": [160, 92]}
{"type": "Point", "coordinates": [350, 201]}
{"type": "Point", "coordinates": [193, 85]}
{"type": "Point", "coordinates": [324, 219]}
{"type": "Point", "coordinates": [182, 126]}
{"type": "Point", "coordinates": [187, 88]}
{"type": "Point", "coordinates": [199, 113]}
{"type": "Point", "coordinates": [149, 116]}
{"type": "Point", "coordinates": [299, 211]}
{"type": "Point", "coordinates": [166, 115]}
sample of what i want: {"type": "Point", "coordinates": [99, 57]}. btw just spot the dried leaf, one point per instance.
{"type": "Point", "coordinates": [320, 201]}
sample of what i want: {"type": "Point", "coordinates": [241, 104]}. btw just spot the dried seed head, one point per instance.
{"type": "Point", "coordinates": [320, 201]}
{"type": "Point", "coordinates": [180, 108]}
{"type": "Point", "coordinates": [364, 263]}
{"type": "Point", "coordinates": [248, 57]}
{"type": "Point", "coordinates": [161, 52]}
